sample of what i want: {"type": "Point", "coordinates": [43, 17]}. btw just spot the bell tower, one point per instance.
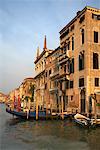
{"type": "Point", "coordinates": [38, 51]}
{"type": "Point", "coordinates": [45, 43]}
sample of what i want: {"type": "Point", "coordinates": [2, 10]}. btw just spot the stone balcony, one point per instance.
{"type": "Point", "coordinates": [54, 74]}
{"type": "Point", "coordinates": [63, 58]}
{"type": "Point", "coordinates": [53, 89]}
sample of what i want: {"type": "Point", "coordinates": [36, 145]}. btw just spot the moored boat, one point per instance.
{"type": "Point", "coordinates": [83, 120]}
{"type": "Point", "coordinates": [28, 114]}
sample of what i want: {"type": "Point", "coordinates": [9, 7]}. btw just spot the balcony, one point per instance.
{"type": "Point", "coordinates": [42, 87]}
{"type": "Point", "coordinates": [39, 73]}
{"type": "Point", "coordinates": [69, 53]}
{"type": "Point", "coordinates": [54, 74]}
{"type": "Point", "coordinates": [53, 90]}
{"type": "Point", "coordinates": [63, 58]}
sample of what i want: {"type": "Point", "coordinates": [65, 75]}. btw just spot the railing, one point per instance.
{"type": "Point", "coordinates": [54, 73]}
{"type": "Point", "coordinates": [53, 89]}
{"type": "Point", "coordinates": [63, 58]}
{"type": "Point", "coordinates": [39, 72]}
{"type": "Point", "coordinates": [42, 87]}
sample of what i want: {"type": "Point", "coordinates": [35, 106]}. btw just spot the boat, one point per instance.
{"type": "Point", "coordinates": [83, 120]}
{"type": "Point", "coordinates": [28, 114]}
{"type": "Point", "coordinates": [96, 122]}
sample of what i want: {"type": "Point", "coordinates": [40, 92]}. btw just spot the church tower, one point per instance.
{"type": "Point", "coordinates": [45, 43]}
{"type": "Point", "coordinates": [38, 52]}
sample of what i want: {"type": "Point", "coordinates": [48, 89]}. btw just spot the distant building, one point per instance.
{"type": "Point", "coordinates": [23, 96]}
{"type": "Point", "coordinates": [3, 98]}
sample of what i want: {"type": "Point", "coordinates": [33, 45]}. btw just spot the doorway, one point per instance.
{"type": "Point", "coordinates": [83, 100]}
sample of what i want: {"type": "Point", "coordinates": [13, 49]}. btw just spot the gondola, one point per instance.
{"type": "Point", "coordinates": [28, 115]}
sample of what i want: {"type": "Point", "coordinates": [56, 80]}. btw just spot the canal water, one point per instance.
{"type": "Point", "coordinates": [18, 134]}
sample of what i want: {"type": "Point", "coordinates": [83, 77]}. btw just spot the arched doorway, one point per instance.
{"type": "Point", "coordinates": [90, 104]}
{"type": "Point", "coordinates": [82, 100]}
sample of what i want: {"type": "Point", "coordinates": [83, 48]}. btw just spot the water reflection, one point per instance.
{"type": "Point", "coordinates": [46, 135]}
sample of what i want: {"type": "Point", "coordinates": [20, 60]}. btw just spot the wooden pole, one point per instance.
{"type": "Point", "coordinates": [95, 108]}
{"type": "Point", "coordinates": [62, 107]}
{"type": "Point", "coordinates": [37, 107]}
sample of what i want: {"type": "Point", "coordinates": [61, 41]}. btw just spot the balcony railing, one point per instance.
{"type": "Point", "coordinates": [39, 72]}
{"type": "Point", "coordinates": [53, 89]}
{"type": "Point", "coordinates": [63, 58]}
{"type": "Point", "coordinates": [54, 74]}
{"type": "Point", "coordinates": [42, 87]}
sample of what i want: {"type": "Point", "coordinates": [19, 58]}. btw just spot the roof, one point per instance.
{"type": "Point", "coordinates": [79, 13]}
{"type": "Point", "coordinates": [43, 52]}
{"type": "Point", "coordinates": [58, 48]}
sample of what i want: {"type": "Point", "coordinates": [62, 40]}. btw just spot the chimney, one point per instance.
{"type": "Point", "coordinates": [78, 13]}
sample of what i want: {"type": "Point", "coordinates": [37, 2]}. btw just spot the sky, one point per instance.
{"type": "Point", "coordinates": [23, 25]}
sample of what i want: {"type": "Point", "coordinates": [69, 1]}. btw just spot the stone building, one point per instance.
{"type": "Point", "coordinates": [23, 96]}
{"type": "Point", "coordinates": [51, 80]}
{"type": "Point", "coordinates": [68, 78]}
{"type": "Point", "coordinates": [40, 77]}
{"type": "Point", "coordinates": [26, 93]}
{"type": "Point", "coordinates": [3, 98]}
{"type": "Point", "coordinates": [80, 41]}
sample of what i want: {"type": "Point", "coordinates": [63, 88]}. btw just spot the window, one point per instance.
{"type": "Point", "coordinates": [96, 81]}
{"type": "Point", "coordinates": [72, 66]}
{"type": "Point", "coordinates": [95, 37]}
{"type": "Point", "coordinates": [82, 34]}
{"type": "Point", "coordinates": [65, 68]}
{"type": "Point", "coordinates": [95, 61]}
{"type": "Point", "coordinates": [64, 34]}
{"type": "Point", "coordinates": [67, 84]}
{"type": "Point", "coordinates": [72, 28]}
{"type": "Point", "coordinates": [60, 85]}
{"type": "Point", "coordinates": [82, 19]}
{"type": "Point", "coordinates": [81, 82]}
{"type": "Point", "coordinates": [49, 71]}
{"type": "Point", "coordinates": [45, 85]}
{"type": "Point", "coordinates": [46, 74]}
{"type": "Point", "coordinates": [72, 43]}
{"type": "Point", "coordinates": [81, 61]}
{"type": "Point", "coordinates": [64, 49]}
{"type": "Point", "coordinates": [71, 97]}
{"type": "Point", "coordinates": [96, 17]}
{"type": "Point", "coordinates": [71, 84]}
{"type": "Point", "coordinates": [68, 46]}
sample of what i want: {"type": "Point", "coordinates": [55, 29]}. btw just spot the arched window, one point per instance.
{"type": "Point", "coordinates": [72, 43]}
{"type": "Point", "coordinates": [82, 34]}
{"type": "Point", "coordinates": [81, 61]}
{"type": "Point", "coordinates": [95, 61]}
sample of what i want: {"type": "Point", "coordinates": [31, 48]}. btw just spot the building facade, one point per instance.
{"type": "Point", "coordinates": [40, 64]}
{"type": "Point", "coordinates": [80, 41]}
{"type": "Point", "coordinates": [68, 78]}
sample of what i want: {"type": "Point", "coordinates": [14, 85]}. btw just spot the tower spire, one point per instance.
{"type": "Point", "coordinates": [38, 51]}
{"type": "Point", "coordinates": [45, 43]}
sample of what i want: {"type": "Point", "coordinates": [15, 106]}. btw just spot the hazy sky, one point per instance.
{"type": "Point", "coordinates": [23, 25]}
